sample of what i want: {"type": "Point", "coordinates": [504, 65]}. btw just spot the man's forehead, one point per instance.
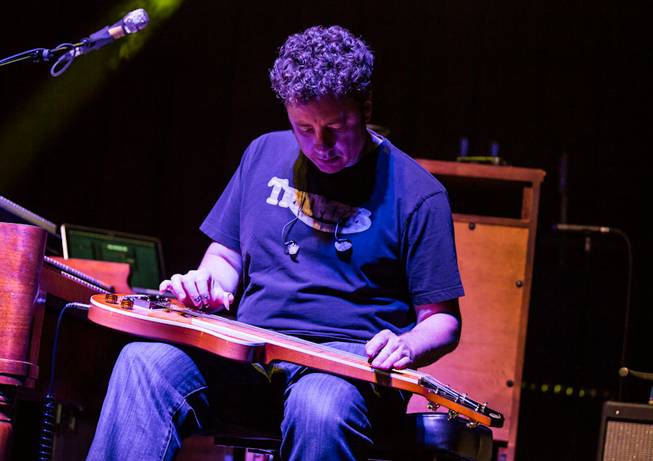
{"type": "Point", "coordinates": [325, 108]}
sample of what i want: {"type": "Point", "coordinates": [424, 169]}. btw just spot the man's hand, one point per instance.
{"type": "Point", "coordinates": [212, 284]}
{"type": "Point", "coordinates": [386, 350]}
{"type": "Point", "coordinates": [197, 288]}
{"type": "Point", "coordinates": [436, 333]}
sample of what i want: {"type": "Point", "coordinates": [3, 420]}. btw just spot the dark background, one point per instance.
{"type": "Point", "coordinates": [145, 143]}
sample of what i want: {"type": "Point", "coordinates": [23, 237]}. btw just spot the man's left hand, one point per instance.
{"type": "Point", "coordinates": [386, 350]}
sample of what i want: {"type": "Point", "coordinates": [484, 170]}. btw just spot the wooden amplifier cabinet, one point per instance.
{"type": "Point", "coordinates": [495, 220]}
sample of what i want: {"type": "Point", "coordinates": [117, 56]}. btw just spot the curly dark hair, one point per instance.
{"type": "Point", "coordinates": [322, 61]}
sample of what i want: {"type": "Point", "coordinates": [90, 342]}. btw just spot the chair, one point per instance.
{"type": "Point", "coordinates": [425, 436]}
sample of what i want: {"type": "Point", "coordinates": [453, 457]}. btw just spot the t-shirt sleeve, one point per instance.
{"type": "Point", "coordinates": [222, 224]}
{"type": "Point", "coordinates": [431, 262]}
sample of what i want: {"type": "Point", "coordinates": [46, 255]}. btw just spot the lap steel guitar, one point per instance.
{"type": "Point", "coordinates": [161, 318]}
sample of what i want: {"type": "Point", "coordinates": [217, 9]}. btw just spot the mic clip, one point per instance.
{"type": "Point", "coordinates": [291, 249]}
{"type": "Point", "coordinates": [343, 246]}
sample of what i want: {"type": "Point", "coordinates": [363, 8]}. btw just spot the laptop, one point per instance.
{"type": "Point", "coordinates": [142, 253]}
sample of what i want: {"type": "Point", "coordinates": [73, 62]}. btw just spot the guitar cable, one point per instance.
{"type": "Point", "coordinates": [46, 436]}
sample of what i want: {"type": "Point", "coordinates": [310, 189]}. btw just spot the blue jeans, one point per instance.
{"type": "Point", "coordinates": [159, 393]}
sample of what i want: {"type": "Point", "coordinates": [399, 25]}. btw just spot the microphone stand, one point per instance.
{"type": "Point", "coordinates": [587, 231]}
{"type": "Point", "coordinates": [64, 53]}
{"type": "Point", "coordinates": [34, 55]}
{"type": "Point", "coordinates": [624, 346]}
{"type": "Point", "coordinates": [132, 22]}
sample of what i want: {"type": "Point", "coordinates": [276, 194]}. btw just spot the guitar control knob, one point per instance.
{"type": "Point", "coordinates": [126, 303]}
{"type": "Point", "coordinates": [433, 406]}
{"type": "Point", "coordinates": [111, 298]}
{"type": "Point", "coordinates": [451, 414]}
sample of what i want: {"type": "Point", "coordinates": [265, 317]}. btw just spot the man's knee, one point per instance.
{"type": "Point", "coordinates": [143, 354]}
{"type": "Point", "coordinates": [324, 401]}
{"type": "Point", "coordinates": [151, 361]}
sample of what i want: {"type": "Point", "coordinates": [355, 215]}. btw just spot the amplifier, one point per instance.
{"type": "Point", "coordinates": [626, 432]}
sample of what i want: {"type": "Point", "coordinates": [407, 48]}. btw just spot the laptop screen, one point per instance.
{"type": "Point", "coordinates": [142, 253]}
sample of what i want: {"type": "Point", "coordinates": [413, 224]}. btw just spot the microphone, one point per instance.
{"type": "Point", "coordinates": [561, 227]}
{"type": "Point", "coordinates": [623, 372]}
{"type": "Point", "coordinates": [133, 22]}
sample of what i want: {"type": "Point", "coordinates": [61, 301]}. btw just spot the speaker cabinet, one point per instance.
{"type": "Point", "coordinates": [626, 432]}
{"type": "Point", "coordinates": [495, 219]}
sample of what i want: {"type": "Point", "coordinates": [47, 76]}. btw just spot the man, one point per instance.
{"type": "Point", "coordinates": [329, 233]}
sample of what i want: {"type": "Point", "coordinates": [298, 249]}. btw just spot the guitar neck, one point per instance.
{"type": "Point", "coordinates": [325, 358]}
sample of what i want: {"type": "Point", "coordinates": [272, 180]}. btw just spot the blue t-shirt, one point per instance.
{"type": "Point", "coordinates": [394, 212]}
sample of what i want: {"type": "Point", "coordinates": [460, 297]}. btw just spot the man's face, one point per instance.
{"type": "Point", "coordinates": [331, 131]}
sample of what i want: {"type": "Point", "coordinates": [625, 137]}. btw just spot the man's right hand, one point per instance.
{"type": "Point", "coordinates": [198, 289]}
{"type": "Point", "coordinates": [212, 284]}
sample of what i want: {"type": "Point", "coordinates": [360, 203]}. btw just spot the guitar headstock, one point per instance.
{"type": "Point", "coordinates": [459, 404]}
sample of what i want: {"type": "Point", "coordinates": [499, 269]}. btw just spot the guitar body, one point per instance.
{"type": "Point", "coordinates": [170, 326]}
{"type": "Point", "coordinates": [167, 320]}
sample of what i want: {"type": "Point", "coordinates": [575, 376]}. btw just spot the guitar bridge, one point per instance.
{"type": "Point", "coordinates": [149, 302]}
{"type": "Point", "coordinates": [159, 301]}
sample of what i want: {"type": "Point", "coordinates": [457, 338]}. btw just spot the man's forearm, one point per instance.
{"type": "Point", "coordinates": [432, 338]}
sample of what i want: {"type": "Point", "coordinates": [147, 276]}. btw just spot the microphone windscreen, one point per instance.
{"type": "Point", "coordinates": [135, 20]}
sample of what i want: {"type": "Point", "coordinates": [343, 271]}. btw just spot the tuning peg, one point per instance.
{"type": "Point", "coordinates": [451, 414]}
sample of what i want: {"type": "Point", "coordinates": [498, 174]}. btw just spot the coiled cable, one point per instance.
{"type": "Point", "coordinates": [46, 436]}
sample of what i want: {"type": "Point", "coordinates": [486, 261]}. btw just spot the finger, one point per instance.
{"type": "Point", "coordinates": [394, 357]}
{"type": "Point", "coordinates": [382, 356]}
{"type": "Point", "coordinates": [202, 287]}
{"type": "Point", "coordinates": [217, 294]}
{"type": "Point", "coordinates": [402, 363]}
{"type": "Point", "coordinates": [377, 343]}
{"type": "Point", "coordinates": [188, 282]}
{"type": "Point", "coordinates": [220, 297]}
{"type": "Point", "coordinates": [384, 353]}
{"type": "Point", "coordinates": [177, 288]}
{"type": "Point", "coordinates": [227, 299]}
{"type": "Point", "coordinates": [166, 285]}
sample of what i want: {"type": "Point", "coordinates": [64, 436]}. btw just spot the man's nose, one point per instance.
{"type": "Point", "coordinates": [324, 138]}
